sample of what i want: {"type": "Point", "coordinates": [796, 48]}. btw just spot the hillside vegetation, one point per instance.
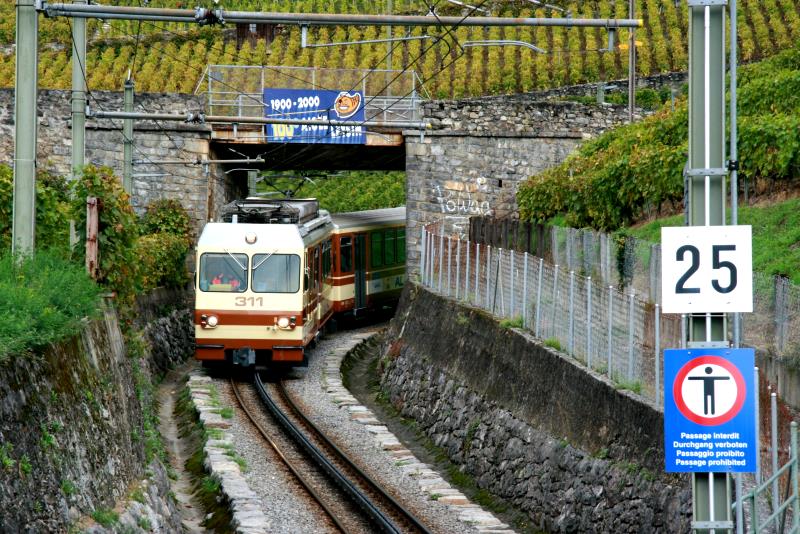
{"type": "Point", "coordinates": [634, 170]}
{"type": "Point", "coordinates": [353, 191]}
{"type": "Point", "coordinates": [171, 56]}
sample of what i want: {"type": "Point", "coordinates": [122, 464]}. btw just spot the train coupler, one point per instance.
{"type": "Point", "coordinates": [244, 357]}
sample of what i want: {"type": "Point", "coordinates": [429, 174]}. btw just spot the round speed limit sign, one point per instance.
{"type": "Point", "coordinates": [707, 269]}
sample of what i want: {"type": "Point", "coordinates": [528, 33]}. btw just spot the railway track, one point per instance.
{"type": "Point", "coordinates": [366, 500]}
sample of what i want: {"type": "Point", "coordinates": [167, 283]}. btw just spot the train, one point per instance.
{"type": "Point", "coordinates": [273, 274]}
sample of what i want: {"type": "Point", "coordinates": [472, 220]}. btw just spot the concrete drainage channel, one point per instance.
{"type": "Point", "coordinates": [247, 508]}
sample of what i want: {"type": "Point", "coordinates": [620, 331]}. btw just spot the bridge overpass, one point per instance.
{"type": "Point", "coordinates": [390, 97]}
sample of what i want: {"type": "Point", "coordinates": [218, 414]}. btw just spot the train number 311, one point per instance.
{"type": "Point", "coordinates": [249, 301]}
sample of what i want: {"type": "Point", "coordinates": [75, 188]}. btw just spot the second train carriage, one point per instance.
{"type": "Point", "coordinates": [272, 275]}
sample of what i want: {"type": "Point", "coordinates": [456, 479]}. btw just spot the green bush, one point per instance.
{"type": "Point", "coordinates": [52, 219]}
{"type": "Point", "coordinates": [162, 259]}
{"type": "Point", "coordinates": [42, 300]}
{"type": "Point", "coordinates": [167, 216]}
{"type": "Point", "coordinates": [118, 267]}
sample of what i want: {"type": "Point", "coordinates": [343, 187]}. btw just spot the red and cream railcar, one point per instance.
{"type": "Point", "coordinates": [270, 278]}
{"type": "Point", "coordinates": [371, 249]}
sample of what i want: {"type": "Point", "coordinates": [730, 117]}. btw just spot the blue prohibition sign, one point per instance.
{"type": "Point", "coordinates": [709, 411]}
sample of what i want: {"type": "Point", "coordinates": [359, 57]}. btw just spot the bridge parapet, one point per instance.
{"type": "Point", "coordinates": [238, 90]}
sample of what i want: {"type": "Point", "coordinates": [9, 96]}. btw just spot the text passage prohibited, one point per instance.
{"type": "Point", "coordinates": [709, 410]}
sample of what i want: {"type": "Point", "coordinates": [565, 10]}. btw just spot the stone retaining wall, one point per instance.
{"type": "Point", "coordinates": [71, 431]}
{"type": "Point", "coordinates": [529, 424]}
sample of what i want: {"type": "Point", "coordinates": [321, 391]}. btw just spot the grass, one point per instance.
{"type": "Point", "coordinates": [553, 343]}
{"type": "Point", "coordinates": [42, 300]}
{"type": "Point", "coordinates": [105, 517]}
{"type": "Point", "coordinates": [776, 236]}
{"type": "Point", "coordinates": [631, 385]}
{"type": "Point", "coordinates": [516, 322]}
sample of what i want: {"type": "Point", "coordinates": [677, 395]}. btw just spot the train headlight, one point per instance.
{"type": "Point", "coordinates": [250, 238]}
{"type": "Point", "coordinates": [283, 322]}
{"type": "Point", "coordinates": [212, 321]}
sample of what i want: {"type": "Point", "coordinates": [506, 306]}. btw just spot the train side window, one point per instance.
{"type": "Point", "coordinates": [346, 252]}
{"type": "Point", "coordinates": [326, 260]}
{"type": "Point", "coordinates": [401, 245]}
{"type": "Point", "coordinates": [316, 269]}
{"type": "Point", "coordinates": [389, 244]}
{"type": "Point", "coordinates": [376, 244]}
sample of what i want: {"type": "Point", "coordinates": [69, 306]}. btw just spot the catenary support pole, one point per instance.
{"type": "Point", "coordinates": [706, 200]}
{"type": "Point", "coordinates": [25, 112]}
{"type": "Point", "coordinates": [127, 138]}
{"type": "Point", "coordinates": [79, 75]}
{"type": "Point", "coordinates": [631, 65]}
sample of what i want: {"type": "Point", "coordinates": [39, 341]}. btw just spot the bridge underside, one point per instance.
{"type": "Point", "coordinates": [383, 152]}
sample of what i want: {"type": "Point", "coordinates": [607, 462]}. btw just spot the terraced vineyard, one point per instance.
{"type": "Point", "coordinates": [172, 56]}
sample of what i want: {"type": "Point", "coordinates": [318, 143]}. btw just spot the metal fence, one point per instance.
{"type": "Point", "coordinates": [774, 325]}
{"type": "Point", "coordinates": [238, 90]}
{"type": "Point", "coordinates": [617, 333]}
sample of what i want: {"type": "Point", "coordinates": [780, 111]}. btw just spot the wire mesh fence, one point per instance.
{"type": "Point", "coordinates": [773, 327]}
{"type": "Point", "coordinates": [615, 333]}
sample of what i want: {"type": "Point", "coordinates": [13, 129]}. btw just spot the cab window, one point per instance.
{"type": "Point", "coordinates": [223, 272]}
{"type": "Point", "coordinates": [276, 273]}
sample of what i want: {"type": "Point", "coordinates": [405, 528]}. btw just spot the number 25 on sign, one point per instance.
{"type": "Point", "coordinates": [707, 269]}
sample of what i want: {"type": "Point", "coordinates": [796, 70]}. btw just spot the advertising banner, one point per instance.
{"type": "Point", "coordinates": [319, 105]}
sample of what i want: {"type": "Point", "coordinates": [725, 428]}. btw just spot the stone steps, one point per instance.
{"type": "Point", "coordinates": [427, 478]}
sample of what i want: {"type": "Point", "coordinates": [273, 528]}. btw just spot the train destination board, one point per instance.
{"type": "Point", "coordinates": [709, 410]}
{"type": "Point", "coordinates": [319, 105]}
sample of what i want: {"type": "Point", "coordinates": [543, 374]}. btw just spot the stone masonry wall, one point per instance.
{"type": "Point", "coordinates": [479, 150]}
{"type": "Point", "coordinates": [201, 195]}
{"type": "Point", "coordinates": [530, 425]}
{"type": "Point", "coordinates": [71, 425]}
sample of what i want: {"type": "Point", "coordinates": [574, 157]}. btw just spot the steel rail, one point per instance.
{"type": "Point", "coordinates": [343, 457]}
{"type": "Point", "coordinates": [378, 518]}
{"type": "Point", "coordinates": [213, 16]}
{"type": "Point", "coordinates": [303, 482]}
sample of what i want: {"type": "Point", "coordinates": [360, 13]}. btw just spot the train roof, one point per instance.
{"type": "Point", "coordinates": [380, 217]}
{"type": "Point", "coordinates": [231, 236]}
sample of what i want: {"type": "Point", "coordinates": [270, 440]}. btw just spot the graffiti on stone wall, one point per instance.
{"type": "Point", "coordinates": [464, 198]}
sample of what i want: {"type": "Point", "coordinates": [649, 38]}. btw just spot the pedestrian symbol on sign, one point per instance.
{"type": "Point", "coordinates": [709, 390]}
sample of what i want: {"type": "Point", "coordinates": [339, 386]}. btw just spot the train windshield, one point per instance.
{"type": "Point", "coordinates": [223, 272]}
{"type": "Point", "coordinates": [276, 273]}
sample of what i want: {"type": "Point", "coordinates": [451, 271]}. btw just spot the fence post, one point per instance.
{"type": "Point", "coordinates": [466, 274]}
{"type": "Point", "coordinates": [630, 335]}
{"type": "Point", "coordinates": [441, 257]}
{"type": "Point", "coordinates": [477, 273]}
{"type": "Point", "coordinates": [589, 321]}
{"type": "Point", "coordinates": [458, 266]}
{"type": "Point", "coordinates": [488, 276]}
{"type": "Point", "coordinates": [571, 343]}
{"type": "Point", "coordinates": [553, 306]}
{"type": "Point", "coordinates": [539, 296]}
{"type": "Point", "coordinates": [773, 406]}
{"type": "Point", "coordinates": [512, 255]}
{"type": "Point", "coordinates": [653, 273]}
{"type": "Point", "coordinates": [92, 228]}
{"type": "Point", "coordinates": [610, 328]}
{"type": "Point", "coordinates": [422, 258]}
{"type": "Point", "coordinates": [795, 484]}
{"type": "Point", "coordinates": [525, 291]}
{"type": "Point", "coordinates": [657, 351]}
{"type": "Point", "coordinates": [449, 266]}
{"type": "Point", "coordinates": [758, 427]}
